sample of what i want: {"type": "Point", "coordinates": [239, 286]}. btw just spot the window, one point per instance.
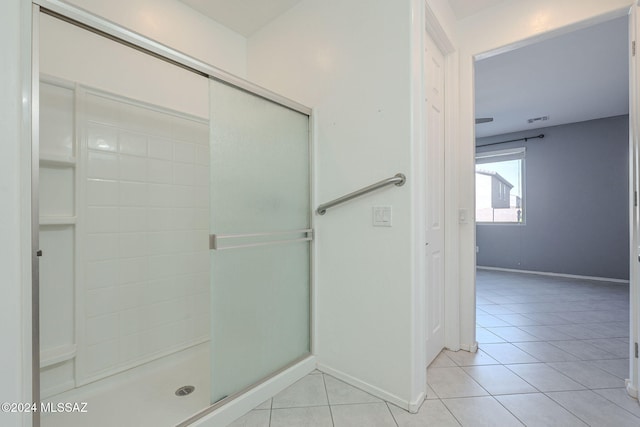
{"type": "Point", "coordinates": [500, 186]}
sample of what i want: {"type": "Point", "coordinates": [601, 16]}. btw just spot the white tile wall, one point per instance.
{"type": "Point", "coordinates": [144, 225]}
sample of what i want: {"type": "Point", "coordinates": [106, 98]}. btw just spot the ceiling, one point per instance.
{"type": "Point", "coordinates": [464, 8]}
{"type": "Point", "coordinates": [248, 16]}
{"type": "Point", "coordinates": [242, 16]}
{"type": "Point", "coordinates": [578, 76]}
{"type": "Point", "coordinates": [574, 77]}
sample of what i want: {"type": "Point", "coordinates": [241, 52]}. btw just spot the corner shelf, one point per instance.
{"type": "Point", "coordinates": [58, 220]}
{"type": "Point", "coordinates": [57, 355]}
{"type": "Point", "coordinates": [52, 160]}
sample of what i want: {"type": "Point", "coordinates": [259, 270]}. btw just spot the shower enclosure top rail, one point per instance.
{"type": "Point", "coordinates": [84, 19]}
{"type": "Point", "coordinates": [398, 180]}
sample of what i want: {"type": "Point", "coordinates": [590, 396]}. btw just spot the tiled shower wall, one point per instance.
{"type": "Point", "coordinates": [144, 182]}
{"type": "Point", "coordinates": [126, 234]}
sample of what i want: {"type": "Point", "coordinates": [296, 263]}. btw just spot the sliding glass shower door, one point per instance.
{"type": "Point", "coordinates": [260, 238]}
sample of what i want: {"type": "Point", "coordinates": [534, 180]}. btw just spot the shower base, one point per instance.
{"type": "Point", "coordinates": [141, 397]}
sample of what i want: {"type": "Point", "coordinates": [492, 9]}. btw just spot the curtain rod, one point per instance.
{"type": "Point", "coordinates": [513, 140]}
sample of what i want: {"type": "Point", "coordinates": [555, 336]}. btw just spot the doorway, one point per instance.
{"type": "Point", "coordinates": [534, 204]}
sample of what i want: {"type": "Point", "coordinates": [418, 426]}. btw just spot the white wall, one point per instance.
{"type": "Point", "coordinates": [351, 61]}
{"type": "Point", "coordinates": [507, 25]}
{"type": "Point", "coordinates": [14, 211]}
{"type": "Point", "coordinates": [76, 55]}
{"type": "Point", "coordinates": [176, 25]}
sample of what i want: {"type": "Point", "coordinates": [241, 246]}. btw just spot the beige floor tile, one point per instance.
{"type": "Point", "coordinates": [453, 382]}
{"type": "Point", "coordinates": [316, 416]}
{"type": "Point", "coordinates": [467, 358]}
{"type": "Point", "coordinates": [620, 397]}
{"type": "Point", "coordinates": [507, 353]}
{"type": "Point", "coordinates": [545, 352]}
{"type": "Point", "coordinates": [537, 410]}
{"type": "Point", "coordinates": [513, 334]}
{"type": "Point", "coordinates": [587, 374]}
{"type": "Point", "coordinates": [431, 413]}
{"type": "Point", "coordinates": [255, 418]}
{"type": "Point", "coordinates": [341, 393]}
{"type": "Point", "coordinates": [309, 391]}
{"type": "Point", "coordinates": [442, 361]}
{"type": "Point", "coordinates": [368, 414]}
{"type": "Point", "coordinates": [544, 378]}
{"type": "Point", "coordinates": [594, 409]}
{"type": "Point", "coordinates": [481, 411]}
{"type": "Point", "coordinates": [497, 379]}
{"type": "Point", "coordinates": [431, 395]}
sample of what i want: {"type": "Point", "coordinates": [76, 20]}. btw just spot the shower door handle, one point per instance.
{"type": "Point", "coordinates": [248, 240]}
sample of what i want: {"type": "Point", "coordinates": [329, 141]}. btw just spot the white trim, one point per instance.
{"type": "Point", "coordinates": [633, 383]}
{"type": "Point", "coordinates": [546, 273]}
{"type": "Point", "coordinates": [546, 35]}
{"type": "Point", "coordinates": [58, 220]}
{"type": "Point", "coordinates": [57, 355]}
{"type": "Point", "coordinates": [631, 390]}
{"type": "Point", "coordinates": [471, 348]}
{"type": "Point", "coordinates": [437, 32]}
{"type": "Point", "coordinates": [233, 410]}
{"type": "Point", "coordinates": [418, 191]}
{"type": "Point", "coordinates": [373, 390]}
{"type": "Point", "coordinates": [313, 289]}
{"type": "Point", "coordinates": [453, 302]}
{"type": "Point", "coordinates": [30, 206]}
{"type": "Point", "coordinates": [512, 153]}
{"type": "Point", "coordinates": [453, 307]}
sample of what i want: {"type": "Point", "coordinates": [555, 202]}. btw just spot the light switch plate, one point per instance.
{"type": "Point", "coordinates": [463, 216]}
{"type": "Point", "coordinates": [382, 216]}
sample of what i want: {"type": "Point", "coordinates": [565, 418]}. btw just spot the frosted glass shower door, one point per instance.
{"type": "Point", "coordinates": [260, 238]}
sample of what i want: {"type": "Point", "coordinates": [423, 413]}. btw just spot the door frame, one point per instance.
{"type": "Point", "coordinates": [467, 169]}
{"type": "Point", "coordinates": [452, 306]}
{"type": "Point", "coordinates": [632, 384]}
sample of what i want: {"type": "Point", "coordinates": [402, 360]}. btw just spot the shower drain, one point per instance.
{"type": "Point", "coordinates": [185, 390]}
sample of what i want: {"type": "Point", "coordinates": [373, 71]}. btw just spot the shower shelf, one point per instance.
{"type": "Point", "coordinates": [58, 220]}
{"type": "Point", "coordinates": [52, 160]}
{"type": "Point", "coordinates": [57, 355]}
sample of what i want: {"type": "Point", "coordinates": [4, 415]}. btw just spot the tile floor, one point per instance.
{"type": "Point", "coordinates": [553, 352]}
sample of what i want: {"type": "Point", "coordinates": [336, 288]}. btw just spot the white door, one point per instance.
{"type": "Point", "coordinates": [634, 135]}
{"type": "Point", "coordinates": [434, 98]}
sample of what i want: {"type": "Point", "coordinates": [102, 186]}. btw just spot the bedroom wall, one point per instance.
{"type": "Point", "coordinates": [576, 194]}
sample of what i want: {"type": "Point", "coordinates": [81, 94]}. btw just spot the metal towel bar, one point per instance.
{"type": "Point", "coordinates": [258, 239]}
{"type": "Point", "coordinates": [398, 180]}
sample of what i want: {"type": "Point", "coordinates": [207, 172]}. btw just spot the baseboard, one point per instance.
{"type": "Point", "coordinates": [233, 410]}
{"type": "Point", "coordinates": [471, 348]}
{"type": "Point", "coordinates": [631, 390]}
{"type": "Point", "coordinates": [545, 273]}
{"type": "Point", "coordinates": [371, 389]}
{"type": "Point", "coordinates": [415, 405]}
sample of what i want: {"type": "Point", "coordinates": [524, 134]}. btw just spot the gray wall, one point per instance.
{"type": "Point", "coordinates": [576, 201]}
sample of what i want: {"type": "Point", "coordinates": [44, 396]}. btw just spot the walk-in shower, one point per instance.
{"type": "Point", "coordinates": [175, 226]}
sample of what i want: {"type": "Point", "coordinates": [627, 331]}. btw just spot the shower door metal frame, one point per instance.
{"type": "Point", "coordinates": [118, 34]}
